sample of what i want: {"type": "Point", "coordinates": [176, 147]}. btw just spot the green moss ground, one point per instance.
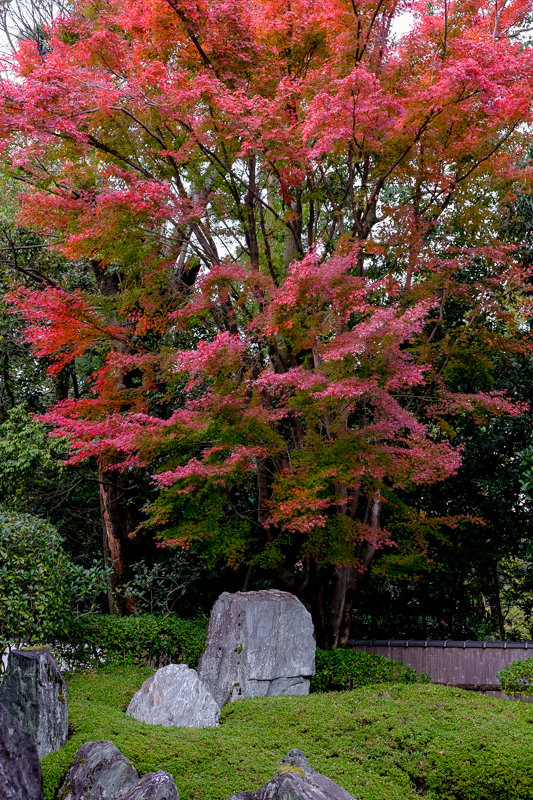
{"type": "Point", "coordinates": [383, 742]}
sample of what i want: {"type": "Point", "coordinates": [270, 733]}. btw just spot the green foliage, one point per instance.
{"type": "Point", "coordinates": [28, 457]}
{"type": "Point", "coordinates": [220, 518]}
{"type": "Point", "coordinates": [142, 639]}
{"type": "Point", "coordinates": [380, 743]}
{"type": "Point", "coordinates": [173, 583]}
{"type": "Point", "coordinates": [527, 476]}
{"type": "Point", "coordinates": [338, 670]}
{"type": "Point", "coordinates": [34, 479]}
{"type": "Point", "coordinates": [462, 580]}
{"type": "Point", "coordinates": [40, 589]}
{"type": "Point", "coordinates": [517, 678]}
{"type": "Point", "coordinates": [516, 583]}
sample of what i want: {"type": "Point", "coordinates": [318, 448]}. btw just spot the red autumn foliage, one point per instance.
{"type": "Point", "coordinates": [278, 188]}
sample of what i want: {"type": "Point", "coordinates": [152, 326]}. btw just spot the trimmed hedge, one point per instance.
{"type": "Point", "coordinates": [145, 639]}
{"type": "Point", "coordinates": [159, 640]}
{"type": "Point", "coordinates": [338, 670]}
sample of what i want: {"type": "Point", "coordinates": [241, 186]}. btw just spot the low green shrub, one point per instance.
{"type": "Point", "coordinates": [144, 639]}
{"type": "Point", "coordinates": [338, 670]}
{"type": "Point", "coordinates": [517, 678]}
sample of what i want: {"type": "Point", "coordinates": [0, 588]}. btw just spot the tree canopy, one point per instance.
{"type": "Point", "coordinates": [290, 211]}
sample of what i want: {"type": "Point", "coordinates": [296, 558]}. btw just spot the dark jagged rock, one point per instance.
{"type": "Point", "coordinates": [101, 772]}
{"type": "Point", "coordinates": [330, 789]}
{"type": "Point", "coordinates": [295, 779]}
{"type": "Point", "coordinates": [258, 644]}
{"type": "Point", "coordinates": [35, 693]}
{"type": "Point", "coordinates": [20, 771]}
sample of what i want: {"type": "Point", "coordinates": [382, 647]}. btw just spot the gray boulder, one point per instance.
{"type": "Point", "coordinates": [258, 644]}
{"type": "Point", "coordinates": [295, 779]}
{"type": "Point", "coordinates": [35, 693]}
{"type": "Point", "coordinates": [154, 786]}
{"type": "Point", "coordinates": [101, 772]}
{"type": "Point", "coordinates": [20, 771]}
{"type": "Point", "coordinates": [175, 696]}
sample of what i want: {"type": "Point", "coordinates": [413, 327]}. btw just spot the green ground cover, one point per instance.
{"type": "Point", "coordinates": [383, 742]}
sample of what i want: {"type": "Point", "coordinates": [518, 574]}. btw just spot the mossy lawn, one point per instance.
{"type": "Point", "coordinates": [382, 742]}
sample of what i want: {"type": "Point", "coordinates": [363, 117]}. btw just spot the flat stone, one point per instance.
{"type": "Point", "coordinates": [259, 644]}
{"type": "Point", "coordinates": [20, 771]}
{"type": "Point", "coordinates": [35, 693]}
{"type": "Point", "coordinates": [175, 696]}
{"type": "Point", "coordinates": [295, 779]}
{"type": "Point", "coordinates": [99, 772]}
{"type": "Point", "coordinates": [154, 786]}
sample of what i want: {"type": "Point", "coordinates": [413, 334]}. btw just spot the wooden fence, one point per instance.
{"type": "Point", "coordinates": [469, 664]}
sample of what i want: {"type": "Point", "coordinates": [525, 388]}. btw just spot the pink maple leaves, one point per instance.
{"type": "Point", "coordinates": [275, 189]}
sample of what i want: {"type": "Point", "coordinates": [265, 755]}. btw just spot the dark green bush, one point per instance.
{"type": "Point", "coordinates": [338, 670]}
{"type": "Point", "coordinates": [144, 639]}
{"type": "Point", "coordinates": [40, 588]}
{"type": "Point", "coordinates": [517, 678]}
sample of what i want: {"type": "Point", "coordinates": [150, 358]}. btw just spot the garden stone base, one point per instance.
{"type": "Point", "coordinates": [20, 771]}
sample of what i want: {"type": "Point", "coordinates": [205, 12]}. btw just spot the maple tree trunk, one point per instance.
{"type": "Point", "coordinates": [116, 527]}
{"type": "Point", "coordinates": [329, 598]}
{"type": "Point", "coordinates": [330, 592]}
{"type": "Point", "coordinates": [345, 581]}
{"type": "Point", "coordinates": [494, 600]}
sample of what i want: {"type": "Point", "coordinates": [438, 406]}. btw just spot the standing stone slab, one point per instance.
{"type": "Point", "coordinates": [35, 693]}
{"type": "Point", "coordinates": [20, 770]}
{"type": "Point", "coordinates": [175, 696]}
{"type": "Point", "coordinates": [258, 644]}
{"type": "Point", "coordinates": [101, 772]}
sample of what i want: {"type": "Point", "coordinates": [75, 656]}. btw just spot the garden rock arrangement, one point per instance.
{"type": "Point", "coordinates": [35, 694]}
{"type": "Point", "coordinates": [295, 779]}
{"type": "Point", "coordinates": [175, 695]}
{"type": "Point", "coordinates": [20, 770]}
{"type": "Point", "coordinates": [101, 772]}
{"type": "Point", "coordinates": [258, 644]}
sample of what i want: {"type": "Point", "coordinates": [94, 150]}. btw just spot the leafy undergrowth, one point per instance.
{"type": "Point", "coordinates": [386, 742]}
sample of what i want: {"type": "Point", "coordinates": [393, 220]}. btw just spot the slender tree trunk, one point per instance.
{"type": "Point", "coordinates": [345, 581]}
{"type": "Point", "coordinates": [116, 527]}
{"type": "Point", "coordinates": [495, 601]}
{"type": "Point", "coordinates": [292, 248]}
{"type": "Point", "coordinates": [330, 597]}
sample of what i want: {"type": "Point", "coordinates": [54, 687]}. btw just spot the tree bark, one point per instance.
{"type": "Point", "coordinates": [61, 385]}
{"type": "Point", "coordinates": [116, 527]}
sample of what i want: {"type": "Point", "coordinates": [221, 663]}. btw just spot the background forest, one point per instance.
{"type": "Point", "coordinates": [308, 317]}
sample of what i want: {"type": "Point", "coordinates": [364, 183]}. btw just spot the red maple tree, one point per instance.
{"type": "Point", "coordinates": [278, 200]}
